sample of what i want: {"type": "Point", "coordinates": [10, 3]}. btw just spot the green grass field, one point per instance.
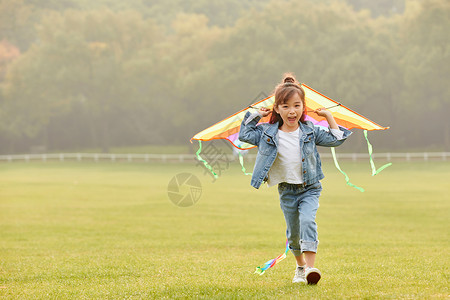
{"type": "Point", "coordinates": [86, 230]}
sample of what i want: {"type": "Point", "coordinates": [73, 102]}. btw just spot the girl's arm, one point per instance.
{"type": "Point", "coordinates": [249, 132]}
{"type": "Point", "coordinates": [326, 138]}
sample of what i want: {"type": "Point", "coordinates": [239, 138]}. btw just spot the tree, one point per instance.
{"type": "Point", "coordinates": [425, 63]}
{"type": "Point", "coordinates": [16, 23]}
{"type": "Point", "coordinates": [80, 58]}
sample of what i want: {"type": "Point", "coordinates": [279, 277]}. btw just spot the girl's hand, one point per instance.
{"type": "Point", "coordinates": [264, 111]}
{"type": "Point", "coordinates": [323, 112]}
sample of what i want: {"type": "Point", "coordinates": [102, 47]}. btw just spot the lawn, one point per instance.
{"type": "Point", "coordinates": [109, 230]}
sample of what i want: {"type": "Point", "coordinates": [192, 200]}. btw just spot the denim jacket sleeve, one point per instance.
{"type": "Point", "coordinates": [249, 132]}
{"type": "Point", "coordinates": [327, 139]}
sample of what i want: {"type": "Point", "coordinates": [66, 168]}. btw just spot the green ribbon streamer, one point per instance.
{"type": "Point", "coordinates": [347, 179]}
{"type": "Point", "coordinates": [372, 164]}
{"type": "Point", "coordinates": [204, 161]}
{"type": "Point", "coordinates": [241, 161]}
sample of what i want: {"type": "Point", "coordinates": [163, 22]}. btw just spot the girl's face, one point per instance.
{"type": "Point", "coordinates": [290, 112]}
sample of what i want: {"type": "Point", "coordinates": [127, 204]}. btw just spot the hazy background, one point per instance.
{"type": "Point", "coordinates": [81, 74]}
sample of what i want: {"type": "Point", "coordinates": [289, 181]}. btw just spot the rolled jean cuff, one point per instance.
{"type": "Point", "coordinates": [309, 246]}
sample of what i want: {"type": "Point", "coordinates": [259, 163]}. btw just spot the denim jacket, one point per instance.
{"type": "Point", "coordinates": [265, 136]}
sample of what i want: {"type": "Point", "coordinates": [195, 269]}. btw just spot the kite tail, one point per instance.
{"type": "Point", "coordinates": [204, 161]}
{"type": "Point", "coordinates": [347, 179]}
{"type": "Point", "coordinates": [261, 269]}
{"type": "Point", "coordinates": [241, 161]}
{"type": "Point", "coordinates": [369, 147]}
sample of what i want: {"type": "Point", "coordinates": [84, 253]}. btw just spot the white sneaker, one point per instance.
{"type": "Point", "coordinates": [299, 275]}
{"type": "Point", "coordinates": [312, 275]}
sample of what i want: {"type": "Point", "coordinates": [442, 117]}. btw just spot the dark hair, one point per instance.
{"type": "Point", "coordinates": [283, 92]}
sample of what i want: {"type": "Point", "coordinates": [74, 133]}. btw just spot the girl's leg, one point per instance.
{"type": "Point", "coordinates": [309, 203]}
{"type": "Point", "coordinates": [289, 202]}
{"type": "Point", "coordinates": [310, 257]}
{"type": "Point", "coordinates": [300, 260]}
{"type": "Point", "coordinates": [307, 258]}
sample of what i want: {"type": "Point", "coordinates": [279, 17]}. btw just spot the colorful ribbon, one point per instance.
{"type": "Point", "coordinates": [241, 161]}
{"type": "Point", "coordinates": [347, 179]}
{"type": "Point", "coordinates": [204, 161]}
{"type": "Point", "coordinates": [369, 147]}
{"type": "Point", "coordinates": [261, 269]}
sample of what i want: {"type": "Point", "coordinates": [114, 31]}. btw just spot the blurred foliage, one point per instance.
{"type": "Point", "coordinates": [100, 74]}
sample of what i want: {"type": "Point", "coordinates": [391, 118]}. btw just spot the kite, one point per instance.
{"type": "Point", "coordinates": [228, 128]}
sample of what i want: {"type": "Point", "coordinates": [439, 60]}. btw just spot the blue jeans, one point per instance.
{"type": "Point", "coordinates": [299, 204]}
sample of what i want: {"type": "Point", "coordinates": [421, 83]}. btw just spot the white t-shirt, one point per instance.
{"type": "Point", "coordinates": [287, 166]}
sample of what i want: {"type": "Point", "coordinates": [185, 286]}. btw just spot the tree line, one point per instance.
{"type": "Point", "coordinates": [79, 74]}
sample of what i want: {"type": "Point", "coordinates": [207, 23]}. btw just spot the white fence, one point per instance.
{"type": "Point", "coordinates": [180, 158]}
{"type": "Point", "coordinates": [96, 157]}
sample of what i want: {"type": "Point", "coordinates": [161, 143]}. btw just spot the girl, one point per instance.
{"type": "Point", "coordinates": [287, 156]}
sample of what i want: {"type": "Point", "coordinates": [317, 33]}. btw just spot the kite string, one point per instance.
{"type": "Point", "coordinates": [372, 164]}
{"type": "Point", "coordinates": [347, 179]}
{"type": "Point", "coordinates": [204, 161]}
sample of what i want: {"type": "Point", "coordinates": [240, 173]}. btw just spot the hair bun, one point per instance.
{"type": "Point", "coordinates": [289, 79]}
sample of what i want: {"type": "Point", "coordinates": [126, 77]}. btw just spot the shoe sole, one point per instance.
{"type": "Point", "coordinates": [299, 281]}
{"type": "Point", "coordinates": [313, 278]}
